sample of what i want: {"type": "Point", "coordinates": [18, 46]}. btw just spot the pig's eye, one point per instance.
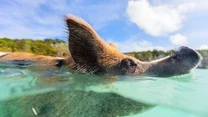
{"type": "Point", "coordinates": [127, 66]}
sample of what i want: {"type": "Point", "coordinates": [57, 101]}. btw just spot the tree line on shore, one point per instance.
{"type": "Point", "coordinates": [52, 47]}
{"type": "Point", "coordinates": [57, 47]}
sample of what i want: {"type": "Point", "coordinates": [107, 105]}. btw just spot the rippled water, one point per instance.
{"type": "Point", "coordinates": [29, 90]}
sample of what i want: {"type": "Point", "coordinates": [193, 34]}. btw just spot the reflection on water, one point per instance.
{"type": "Point", "coordinates": [43, 91]}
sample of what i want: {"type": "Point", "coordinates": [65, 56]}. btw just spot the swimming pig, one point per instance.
{"type": "Point", "coordinates": [89, 53]}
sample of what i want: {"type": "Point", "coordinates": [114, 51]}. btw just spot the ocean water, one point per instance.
{"type": "Point", "coordinates": [27, 91]}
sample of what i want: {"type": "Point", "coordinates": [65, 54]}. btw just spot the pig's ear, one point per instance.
{"type": "Point", "coordinates": [85, 45]}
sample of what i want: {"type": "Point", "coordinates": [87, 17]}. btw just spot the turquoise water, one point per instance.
{"type": "Point", "coordinates": [32, 91]}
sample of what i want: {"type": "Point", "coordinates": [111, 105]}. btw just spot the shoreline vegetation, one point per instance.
{"type": "Point", "coordinates": [50, 47]}
{"type": "Point", "coordinates": [59, 48]}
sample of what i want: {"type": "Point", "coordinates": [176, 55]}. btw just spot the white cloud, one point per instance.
{"type": "Point", "coordinates": [200, 5]}
{"type": "Point", "coordinates": [157, 20]}
{"type": "Point", "coordinates": [133, 44]}
{"type": "Point", "coordinates": [204, 47]}
{"type": "Point", "coordinates": [23, 19]}
{"type": "Point", "coordinates": [178, 39]}
{"type": "Point", "coordinates": [41, 19]}
{"type": "Point", "coordinates": [105, 13]}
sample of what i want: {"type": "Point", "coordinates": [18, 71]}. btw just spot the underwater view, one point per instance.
{"type": "Point", "coordinates": [103, 58]}
{"type": "Point", "coordinates": [27, 91]}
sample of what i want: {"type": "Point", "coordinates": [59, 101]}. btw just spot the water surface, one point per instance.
{"type": "Point", "coordinates": [27, 90]}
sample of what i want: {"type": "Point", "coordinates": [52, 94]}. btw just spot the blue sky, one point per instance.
{"type": "Point", "coordinates": [134, 25]}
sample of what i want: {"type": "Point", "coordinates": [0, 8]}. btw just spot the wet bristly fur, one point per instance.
{"type": "Point", "coordinates": [89, 53]}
